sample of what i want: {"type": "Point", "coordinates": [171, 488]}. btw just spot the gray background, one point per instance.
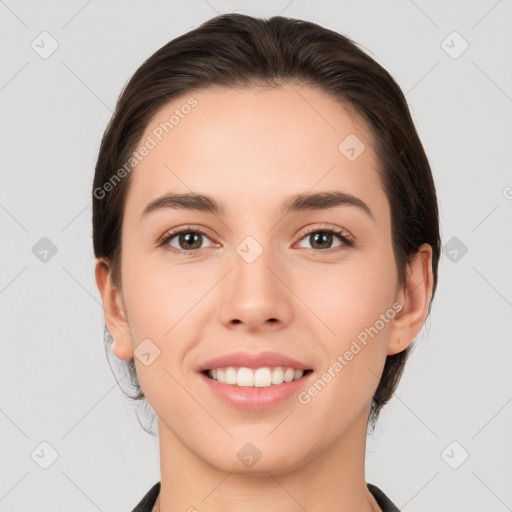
{"type": "Point", "coordinates": [56, 385]}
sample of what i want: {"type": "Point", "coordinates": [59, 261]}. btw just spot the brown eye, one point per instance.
{"type": "Point", "coordinates": [184, 241]}
{"type": "Point", "coordinates": [323, 239]}
{"type": "Point", "coordinates": [189, 240]}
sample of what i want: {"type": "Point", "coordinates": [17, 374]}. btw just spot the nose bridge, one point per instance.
{"type": "Point", "coordinates": [253, 294]}
{"type": "Point", "coordinates": [251, 266]}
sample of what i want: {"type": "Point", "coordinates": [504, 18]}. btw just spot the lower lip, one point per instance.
{"type": "Point", "coordinates": [249, 397]}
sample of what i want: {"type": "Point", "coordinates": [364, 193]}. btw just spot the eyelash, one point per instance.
{"type": "Point", "coordinates": [347, 242]}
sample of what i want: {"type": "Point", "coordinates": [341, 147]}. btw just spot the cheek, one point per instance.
{"type": "Point", "coordinates": [158, 294]}
{"type": "Point", "coordinates": [160, 302]}
{"type": "Point", "coordinates": [354, 302]}
{"type": "Point", "coordinates": [349, 296]}
{"type": "Point", "coordinates": [355, 307]}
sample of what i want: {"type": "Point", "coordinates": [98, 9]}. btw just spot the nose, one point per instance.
{"type": "Point", "coordinates": [256, 294]}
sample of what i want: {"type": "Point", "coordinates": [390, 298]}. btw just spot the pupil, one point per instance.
{"type": "Point", "coordinates": [190, 237]}
{"type": "Point", "coordinates": [324, 236]}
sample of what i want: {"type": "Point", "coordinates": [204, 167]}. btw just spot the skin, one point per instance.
{"type": "Point", "coordinates": [251, 149]}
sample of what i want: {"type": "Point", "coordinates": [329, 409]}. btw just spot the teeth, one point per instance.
{"type": "Point", "coordinates": [260, 377]}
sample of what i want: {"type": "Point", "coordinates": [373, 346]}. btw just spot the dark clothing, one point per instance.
{"type": "Point", "coordinates": [147, 503]}
{"type": "Point", "coordinates": [384, 502]}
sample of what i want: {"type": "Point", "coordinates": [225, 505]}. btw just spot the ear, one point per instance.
{"type": "Point", "coordinates": [114, 311]}
{"type": "Point", "coordinates": [415, 298]}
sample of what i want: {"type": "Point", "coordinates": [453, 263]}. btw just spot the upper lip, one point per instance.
{"type": "Point", "coordinates": [252, 360]}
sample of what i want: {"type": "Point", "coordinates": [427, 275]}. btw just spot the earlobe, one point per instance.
{"type": "Point", "coordinates": [415, 298]}
{"type": "Point", "coordinates": [121, 350]}
{"type": "Point", "coordinates": [113, 310]}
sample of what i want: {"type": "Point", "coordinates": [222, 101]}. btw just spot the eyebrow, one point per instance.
{"type": "Point", "coordinates": [306, 201]}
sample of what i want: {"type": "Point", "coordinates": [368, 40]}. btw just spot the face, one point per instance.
{"type": "Point", "coordinates": [307, 282]}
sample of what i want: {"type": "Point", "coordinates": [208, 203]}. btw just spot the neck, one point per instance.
{"type": "Point", "coordinates": [332, 480]}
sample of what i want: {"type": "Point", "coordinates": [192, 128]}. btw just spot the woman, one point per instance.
{"type": "Point", "coordinates": [266, 230]}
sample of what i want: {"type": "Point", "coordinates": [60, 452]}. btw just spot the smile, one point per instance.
{"type": "Point", "coordinates": [255, 377]}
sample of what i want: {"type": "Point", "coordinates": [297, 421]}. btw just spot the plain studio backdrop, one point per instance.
{"type": "Point", "coordinates": [441, 443]}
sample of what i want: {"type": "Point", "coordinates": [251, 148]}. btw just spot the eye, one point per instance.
{"type": "Point", "coordinates": [320, 238]}
{"type": "Point", "coordinates": [188, 240]}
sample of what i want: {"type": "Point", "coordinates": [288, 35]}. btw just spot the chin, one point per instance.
{"type": "Point", "coordinates": [273, 464]}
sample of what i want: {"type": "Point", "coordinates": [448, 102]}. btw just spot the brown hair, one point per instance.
{"type": "Point", "coordinates": [235, 50]}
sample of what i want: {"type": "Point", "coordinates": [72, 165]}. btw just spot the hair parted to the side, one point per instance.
{"type": "Point", "coordinates": [240, 51]}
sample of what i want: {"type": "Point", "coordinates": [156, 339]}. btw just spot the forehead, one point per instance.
{"type": "Point", "coordinates": [249, 145]}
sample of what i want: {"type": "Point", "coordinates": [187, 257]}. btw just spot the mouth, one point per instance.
{"type": "Point", "coordinates": [255, 377]}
